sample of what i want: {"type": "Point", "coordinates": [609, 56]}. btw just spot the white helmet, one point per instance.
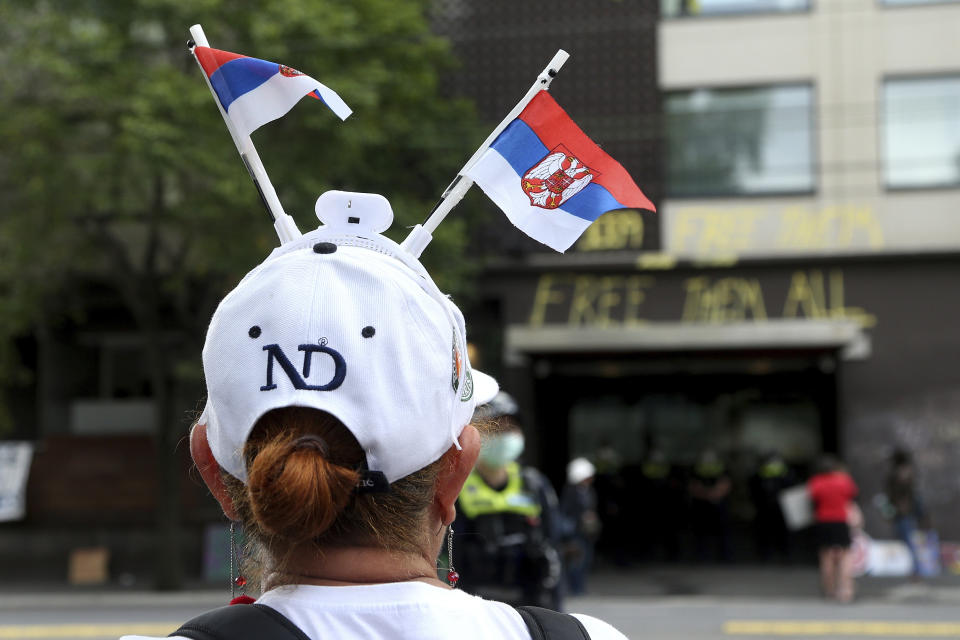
{"type": "Point", "coordinates": [579, 469]}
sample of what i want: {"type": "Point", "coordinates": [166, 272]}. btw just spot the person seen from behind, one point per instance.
{"type": "Point", "coordinates": [907, 507]}
{"type": "Point", "coordinates": [709, 489]}
{"type": "Point", "coordinates": [659, 508]}
{"type": "Point", "coordinates": [578, 503]}
{"type": "Point", "coordinates": [768, 481]}
{"type": "Point", "coordinates": [337, 433]}
{"type": "Point", "coordinates": [832, 491]}
{"type": "Point", "coordinates": [508, 519]}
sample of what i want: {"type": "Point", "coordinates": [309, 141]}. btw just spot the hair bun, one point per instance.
{"type": "Point", "coordinates": [296, 494]}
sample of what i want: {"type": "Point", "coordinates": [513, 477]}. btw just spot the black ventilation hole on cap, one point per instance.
{"type": "Point", "coordinates": [368, 332]}
{"type": "Point", "coordinates": [353, 220]}
{"type": "Point", "coordinates": [324, 247]}
{"type": "Point", "coordinates": [254, 331]}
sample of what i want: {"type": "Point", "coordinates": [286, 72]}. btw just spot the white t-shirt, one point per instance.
{"type": "Point", "coordinates": [403, 610]}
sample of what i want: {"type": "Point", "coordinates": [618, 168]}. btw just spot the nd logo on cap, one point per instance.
{"type": "Point", "coordinates": [338, 210]}
{"type": "Point", "coordinates": [275, 353]}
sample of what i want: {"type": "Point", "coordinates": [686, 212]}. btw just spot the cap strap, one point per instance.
{"type": "Point", "coordinates": [372, 482]}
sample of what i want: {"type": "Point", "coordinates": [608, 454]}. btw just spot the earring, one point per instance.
{"type": "Point", "coordinates": [452, 576]}
{"type": "Point", "coordinates": [236, 578]}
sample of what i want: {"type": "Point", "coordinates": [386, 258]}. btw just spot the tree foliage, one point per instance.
{"type": "Point", "coordinates": [115, 165]}
{"type": "Point", "coordinates": [116, 168]}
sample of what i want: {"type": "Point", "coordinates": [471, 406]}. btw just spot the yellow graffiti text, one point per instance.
{"type": "Point", "coordinates": [811, 295]}
{"type": "Point", "coordinates": [723, 300]}
{"type": "Point", "coordinates": [598, 301]}
{"type": "Point", "coordinates": [715, 230]}
{"type": "Point", "coordinates": [615, 230]}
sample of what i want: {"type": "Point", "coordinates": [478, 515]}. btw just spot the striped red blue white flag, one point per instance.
{"type": "Point", "coordinates": [254, 92]}
{"type": "Point", "coordinates": [550, 178]}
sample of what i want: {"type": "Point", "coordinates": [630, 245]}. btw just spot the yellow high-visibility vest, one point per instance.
{"type": "Point", "coordinates": [478, 499]}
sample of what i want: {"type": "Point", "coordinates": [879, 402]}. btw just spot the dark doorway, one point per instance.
{"type": "Point", "coordinates": [616, 410]}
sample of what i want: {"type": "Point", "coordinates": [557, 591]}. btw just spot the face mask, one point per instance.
{"type": "Point", "coordinates": [502, 449]}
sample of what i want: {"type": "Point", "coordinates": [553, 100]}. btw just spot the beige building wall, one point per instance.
{"type": "Point", "coordinates": [844, 49]}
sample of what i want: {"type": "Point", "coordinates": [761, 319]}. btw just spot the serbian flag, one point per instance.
{"type": "Point", "coordinates": [254, 92]}
{"type": "Point", "coordinates": [550, 179]}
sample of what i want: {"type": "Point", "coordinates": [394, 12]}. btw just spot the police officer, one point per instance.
{"type": "Point", "coordinates": [658, 515]}
{"type": "Point", "coordinates": [709, 488]}
{"type": "Point", "coordinates": [770, 479]}
{"type": "Point", "coordinates": [508, 520]}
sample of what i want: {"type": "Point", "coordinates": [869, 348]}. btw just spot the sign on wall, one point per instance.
{"type": "Point", "coordinates": [15, 460]}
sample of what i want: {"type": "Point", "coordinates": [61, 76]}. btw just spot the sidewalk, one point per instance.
{"type": "Point", "coordinates": [653, 582]}
{"type": "Point", "coordinates": [800, 582]}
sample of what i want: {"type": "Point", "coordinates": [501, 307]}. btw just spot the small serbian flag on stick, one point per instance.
{"type": "Point", "coordinates": [254, 92]}
{"type": "Point", "coordinates": [550, 179]}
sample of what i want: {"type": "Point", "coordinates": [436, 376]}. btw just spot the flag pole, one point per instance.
{"type": "Point", "coordinates": [420, 236]}
{"type": "Point", "coordinates": [284, 224]}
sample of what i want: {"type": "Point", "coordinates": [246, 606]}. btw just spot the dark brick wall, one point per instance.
{"type": "Point", "coordinates": [608, 86]}
{"type": "Point", "coordinates": [101, 480]}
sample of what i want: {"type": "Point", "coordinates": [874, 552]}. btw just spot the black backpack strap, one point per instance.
{"type": "Point", "coordinates": [545, 624]}
{"type": "Point", "coordinates": [241, 622]}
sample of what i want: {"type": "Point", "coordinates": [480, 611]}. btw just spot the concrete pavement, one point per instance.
{"type": "Point", "coordinates": [740, 582]}
{"type": "Point", "coordinates": [665, 602]}
{"type": "Point", "coordinates": [799, 582]}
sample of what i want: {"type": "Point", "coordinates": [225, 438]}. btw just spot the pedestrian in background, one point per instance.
{"type": "Point", "coordinates": [337, 432]}
{"type": "Point", "coordinates": [659, 511]}
{"type": "Point", "coordinates": [508, 520]}
{"type": "Point", "coordinates": [615, 501]}
{"type": "Point", "coordinates": [771, 477]}
{"type": "Point", "coordinates": [832, 491]}
{"type": "Point", "coordinates": [907, 508]}
{"type": "Point", "coordinates": [709, 488]}
{"type": "Point", "coordinates": [578, 504]}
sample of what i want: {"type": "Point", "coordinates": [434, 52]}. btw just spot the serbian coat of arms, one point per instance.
{"type": "Point", "coordinates": [290, 72]}
{"type": "Point", "coordinates": [556, 178]}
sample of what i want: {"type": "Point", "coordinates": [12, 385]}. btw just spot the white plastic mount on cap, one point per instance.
{"type": "Point", "coordinates": [354, 212]}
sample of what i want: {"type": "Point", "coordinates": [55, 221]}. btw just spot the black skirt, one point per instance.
{"type": "Point", "coordinates": [833, 534]}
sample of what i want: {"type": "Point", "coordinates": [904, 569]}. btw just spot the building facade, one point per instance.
{"type": "Point", "coordinates": [839, 132]}
{"type": "Point", "coordinates": [794, 294]}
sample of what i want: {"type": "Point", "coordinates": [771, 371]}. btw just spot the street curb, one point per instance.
{"type": "Point", "coordinates": [80, 600]}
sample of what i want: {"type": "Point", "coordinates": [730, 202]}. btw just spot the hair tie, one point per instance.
{"type": "Point", "coordinates": [313, 442]}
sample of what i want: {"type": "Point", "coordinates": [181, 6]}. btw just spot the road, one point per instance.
{"type": "Point", "coordinates": [698, 617]}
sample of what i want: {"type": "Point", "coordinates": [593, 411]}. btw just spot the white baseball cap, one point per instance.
{"type": "Point", "coordinates": [345, 321]}
{"type": "Point", "coordinates": [579, 469]}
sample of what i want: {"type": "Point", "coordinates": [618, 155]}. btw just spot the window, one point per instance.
{"type": "Point", "coordinates": [909, 2]}
{"type": "Point", "coordinates": [686, 8]}
{"type": "Point", "coordinates": [114, 393]}
{"type": "Point", "coordinates": [748, 141]}
{"type": "Point", "coordinates": [921, 132]}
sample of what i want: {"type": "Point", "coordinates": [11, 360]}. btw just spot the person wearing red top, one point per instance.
{"type": "Point", "coordinates": [832, 491]}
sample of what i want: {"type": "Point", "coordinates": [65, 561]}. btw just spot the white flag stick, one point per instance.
{"type": "Point", "coordinates": [284, 224]}
{"type": "Point", "coordinates": [420, 236]}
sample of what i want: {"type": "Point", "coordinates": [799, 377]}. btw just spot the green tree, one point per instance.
{"type": "Point", "coordinates": [116, 168]}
